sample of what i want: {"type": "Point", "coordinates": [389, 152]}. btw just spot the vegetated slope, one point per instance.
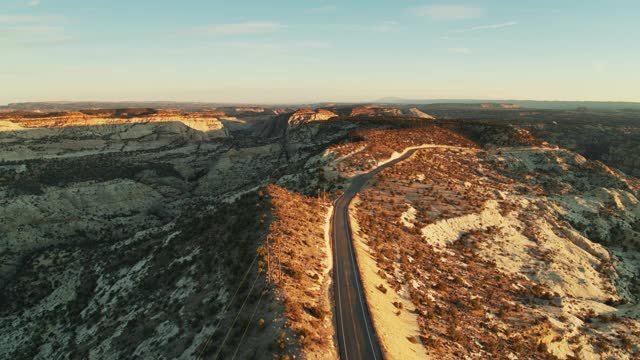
{"type": "Point", "coordinates": [138, 253]}
{"type": "Point", "coordinates": [158, 294]}
{"type": "Point", "coordinates": [299, 259]}
{"type": "Point", "coordinates": [369, 147]}
{"type": "Point", "coordinates": [611, 138]}
{"type": "Point", "coordinates": [494, 135]}
{"type": "Point", "coordinates": [174, 291]}
{"type": "Point", "coordinates": [137, 248]}
{"type": "Point", "coordinates": [511, 251]}
{"type": "Point", "coordinates": [94, 197]}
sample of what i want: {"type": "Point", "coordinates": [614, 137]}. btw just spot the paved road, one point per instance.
{"type": "Point", "coordinates": [356, 336]}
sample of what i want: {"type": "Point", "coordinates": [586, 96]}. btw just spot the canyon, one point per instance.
{"type": "Point", "coordinates": [203, 231]}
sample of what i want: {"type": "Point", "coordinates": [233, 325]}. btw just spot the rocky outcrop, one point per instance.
{"type": "Point", "coordinates": [205, 122]}
{"type": "Point", "coordinates": [279, 111]}
{"type": "Point", "coordinates": [374, 110]}
{"type": "Point", "coordinates": [362, 111]}
{"type": "Point", "coordinates": [61, 215]}
{"type": "Point", "coordinates": [419, 113]}
{"type": "Point", "coordinates": [78, 134]}
{"type": "Point", "coordinates": [306, 115]}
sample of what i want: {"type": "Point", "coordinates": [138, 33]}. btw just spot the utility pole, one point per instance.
{"type": "Point", "coordinates": [268, 262]}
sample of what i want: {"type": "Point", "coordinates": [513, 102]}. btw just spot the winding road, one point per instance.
{"type": "Point", "coordinates": [357, 338]}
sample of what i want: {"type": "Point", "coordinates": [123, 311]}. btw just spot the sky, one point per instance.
{"type": "Point", "coordinates": [257, 51]}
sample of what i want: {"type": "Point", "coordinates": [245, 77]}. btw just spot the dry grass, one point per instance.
{"type": "Point", "coordinates": [372, 146]}
{"type": "Point", "coordinates": [463, 304]}
{"type": "Point", "coordinates": [466, 306]}
{"type": "Point", "coordinates": [295, 258]}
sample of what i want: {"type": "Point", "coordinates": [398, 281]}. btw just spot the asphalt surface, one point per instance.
{"type": "Point", "coordinates": [357, 338]}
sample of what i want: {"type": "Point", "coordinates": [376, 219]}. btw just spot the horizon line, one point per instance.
{"type": "Point", "coordinates": [389, 100]}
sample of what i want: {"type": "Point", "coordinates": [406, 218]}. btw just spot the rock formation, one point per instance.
{"type": "Point", "coordinates": [374, 110]}
{"type": "Point", "coordinates": [76, 133]}
{"type": "Point", "coordinates": [306, 115]}
{"type": "Point", "coordinates": [419, 113]}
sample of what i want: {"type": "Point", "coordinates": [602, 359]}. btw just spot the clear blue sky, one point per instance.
{"type": "Point", "coordinates": [316, 50]}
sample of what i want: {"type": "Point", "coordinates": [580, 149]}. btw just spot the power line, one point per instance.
{"type": "Point", "coordinates": [226, 308]}
{"type": "Point", "coordinates": [247, 327]}
{"type": "Point", "coordinates": [236, 318]}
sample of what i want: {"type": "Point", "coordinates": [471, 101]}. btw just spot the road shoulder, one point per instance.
{"type": "Point", "coordinates": [394, 330]}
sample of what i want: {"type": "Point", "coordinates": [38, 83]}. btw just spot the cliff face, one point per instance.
{"type": "Point", "coordinates": [306, 115]}
{"type": "Point", "coordinates": [76, 134]}
{"type": "Point", "coordinates": [205, 122]}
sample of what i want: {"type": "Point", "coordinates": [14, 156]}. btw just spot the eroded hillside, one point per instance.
{"type": "Point", "coordinates": [168, 234]}
{"type": "Point", "coordinates": [508, 250]}
{"type": "Point", "coordinates": [139, 251]}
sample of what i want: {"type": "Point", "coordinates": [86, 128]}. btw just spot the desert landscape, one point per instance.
{"type": "Point", "coordinates": [319, 180]}
{"type": "Point", "coordinates": [208, 233]}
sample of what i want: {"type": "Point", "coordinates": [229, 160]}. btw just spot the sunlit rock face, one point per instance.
{"type": "Point", "coordinates": [306, 115]}
{"type": "Point", "coordinates": [419, 113]}
{"type": "Point", "coordinates": [65, 134]}
{"type": "Point", "coordinates": [375, 110]}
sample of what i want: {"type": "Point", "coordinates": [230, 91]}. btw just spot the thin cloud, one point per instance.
{"type": "Point", "coordinates": [21, 19]}
{"type": "Point", "coordinates": [34, 3]}
{"type": "Point", "coordinates": [322, 9]}
{"type": "Point", "coordinates": [276, 47]}
{"type": "Point", "coordinates": [244, 45]}
{"type": "Point", "coordinates": [488, 27]}
{"type": "Point", "coordinates": [387, 27]}
{"type": "Point", "coordinates": [383, 27]}
{"type": "Point", "coordinates": [313, 44]}
{"type": "Point", "coordinates": [21, 30]}
{"type": "Point", "coordinates": [255, 27]}
{"type": "Point", "coordinates": [448, 12]}
{"type": "Point", "coordinates": [33, 35]}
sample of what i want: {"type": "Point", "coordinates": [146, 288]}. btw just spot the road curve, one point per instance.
{"type": "Point", "coordinates": [356, 335]}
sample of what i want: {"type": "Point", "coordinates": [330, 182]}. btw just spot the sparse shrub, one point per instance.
{"type": "Point", "coordinates": [382, 288]}
{"type": "Point", "coordinates": [281, 340]}
{"type": "Point", "coordinates": [625, 341]}
{"type": "Point", "coordinates": [542, 347]}
{"type": "Point", "coordinates": [475, 303]}
{"type": "Point", "coordinates": [453, 333]}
